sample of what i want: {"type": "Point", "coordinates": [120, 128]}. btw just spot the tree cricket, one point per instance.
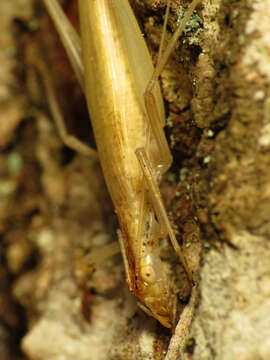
{"type": "Point", "coordinates": [115, 71]}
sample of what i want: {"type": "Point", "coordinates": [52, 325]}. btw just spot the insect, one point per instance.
{"type": "Point", "coordinates": [115, 70]}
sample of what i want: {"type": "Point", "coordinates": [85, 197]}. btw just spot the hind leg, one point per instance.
{"type": "Point", "coordinates": [69, 140]}
{"type": "Point", "coordinates": [153, 174]}
{"type": "Point", "coordinates": [72, 44]}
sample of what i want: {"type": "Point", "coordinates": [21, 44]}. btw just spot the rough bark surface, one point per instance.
{"type": "Point", "coordinates": [54, 207]}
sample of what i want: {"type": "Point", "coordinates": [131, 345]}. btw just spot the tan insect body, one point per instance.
{"type": "Point", "coordinates": [116, 70]}
{"type": "Point", "coordinates": [115, 101]}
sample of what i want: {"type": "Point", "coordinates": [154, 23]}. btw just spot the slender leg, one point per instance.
{"type": "Point", "coordinates": [150, 102]}
{"type": "Point", "coordinates": [150, 173]}
{"type": "Point", "coordinates": [102, 253]}
{"type": "Point", "coordinates": [87, 264]}
{"type": "Point", "coordinates": [68, 140]}
{"type": "Point", "coordinates": [72, 45]}
{"type": "Point", "coordinates": [70, 38]}
{"type": "Point", "coordinates": [158, 205]}
{"type": "Point", "coordinates": [123, 248]}
{"type": "Point", "coordinates": [163, 56]}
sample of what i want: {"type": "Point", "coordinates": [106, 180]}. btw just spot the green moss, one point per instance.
{"type": "Point", "coordinates": [194, 26]}
{"type": "Point", "coordinates": [14, 163]}
{"type": "Point", "coordinates": [171, 177]}
{"type": "Point", "coordinates": [169, 122]}
{"type": "Point", "coordinates": [241, 39]}
{"type": "Point", "coordinates": [183, 174]}
{"type": "Point", "coordinates": [207, 159]}
{"type": "Point", "coordinates": [11, 51]}
{"type": "Point", "coordinates": [210, 133]}
{"type": "Point", "coordinates": [34, 24]}
{"type": "Point", "coordinates": [235, 14]}
{"type": "Point", "coordinates": [173, 140]}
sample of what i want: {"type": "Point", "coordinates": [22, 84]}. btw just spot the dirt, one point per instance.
{"type": "Point", "coordinates": [55, 208]}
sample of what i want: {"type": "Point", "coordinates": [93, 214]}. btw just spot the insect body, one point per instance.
{"type": "Point", "coordinates": [120, 125]}
{"type": "Point", "coordinates": [132, 148]}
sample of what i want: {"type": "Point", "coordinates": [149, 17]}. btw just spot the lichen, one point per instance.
{"type": "Point", "coordinates": [193, 27]}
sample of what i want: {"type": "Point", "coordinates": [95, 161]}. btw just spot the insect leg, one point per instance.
{"type": "Point", "coordinates": [68, 140]}
{"type": "Point", "coordinates": [156, 199]}
{"type": "Point", "coordinates": [72, 45]}
{"type": "Point", "coordinates": [69, 37]}
{"type": "Point", "coordinates": [150, 102]}
{"type": "Point", "coordinates": [101, 253]}
{"type": "Point", "coordinates": [164, 55]}
{"type": "Point", "coordinates": [152, 175]}
{"type": "Point", "coordinates": [123, 248]}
